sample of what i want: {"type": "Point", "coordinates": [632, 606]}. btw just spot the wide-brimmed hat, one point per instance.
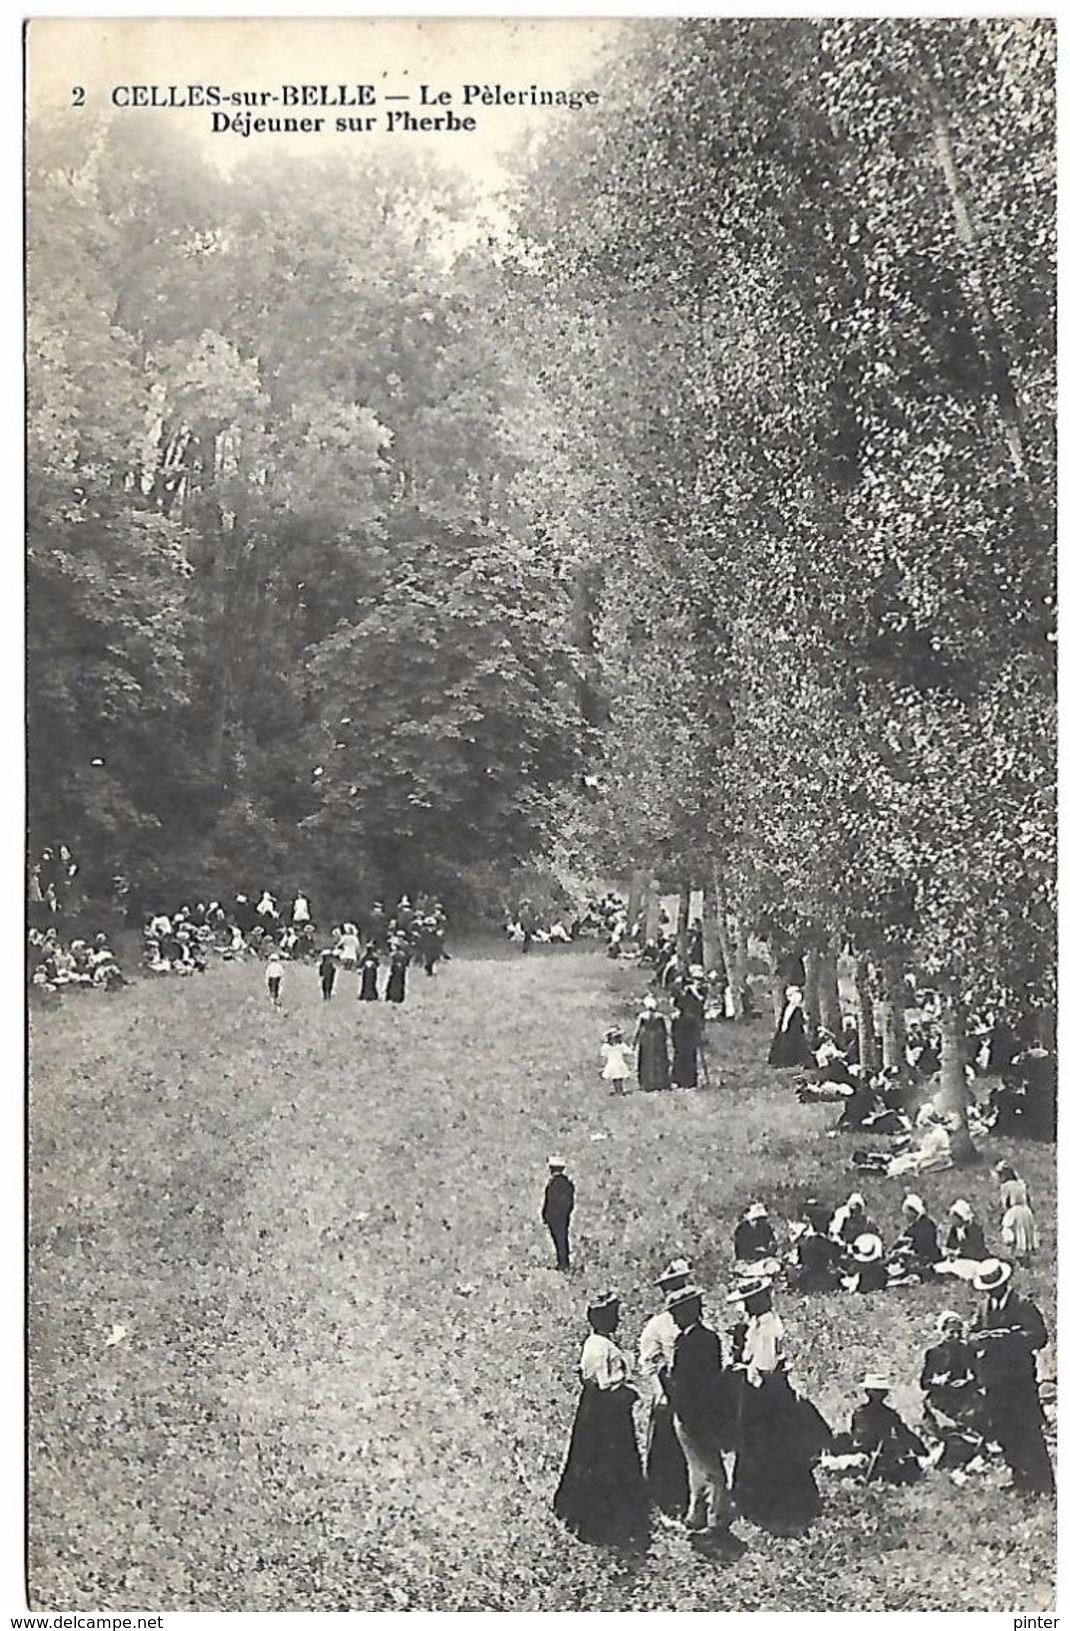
{"type": "Point", "coordinates": [873, 1383]}
{"type": "Point", "coordinates": [679, 1269]}
{"type": "Point", "coordinates": [556, 1161]}
{"type": "Point", "coordinates": [685, 1294]}
{"type": "Point", "coordinates": [868, 1248]}
{"type": "Point", "coordinates": [992, 1274]}
{"type": "Point", "coordinates": [750, 1288]}
{"type": "Point", "coordinates": [755, 1211]}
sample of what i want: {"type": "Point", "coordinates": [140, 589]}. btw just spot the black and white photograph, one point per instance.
{"type": "Point", "coordinates": [540, 838]}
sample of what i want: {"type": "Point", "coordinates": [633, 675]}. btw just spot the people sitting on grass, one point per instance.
{"type": "Point", "coordinates": [864, 1264]}
{"type": "Point", "coordinates": [753, 1237]}
{"type": "Point", "coordinates": [916, 1250]}
{"type": "Point", "coordinates": [952, 1407]}
{"type": "Point", "coordinates": [964, 1240]}
{"type": "Point", "coordinates": [890, 1451]}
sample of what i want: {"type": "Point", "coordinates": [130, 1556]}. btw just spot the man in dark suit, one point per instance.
{"type": "Point", "coordinates": [557, 1204]}
{"type": "Point", "coordinates": [702, 1397]}
{"type": "Point", "coordinates": [1006, 1336]}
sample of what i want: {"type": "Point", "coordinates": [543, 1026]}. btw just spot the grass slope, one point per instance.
{"type": "Point", "coordinates": [349, 1374]}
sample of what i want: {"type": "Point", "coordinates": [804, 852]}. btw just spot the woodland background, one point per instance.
{"type": "Point", "coordinates": [694, 527]}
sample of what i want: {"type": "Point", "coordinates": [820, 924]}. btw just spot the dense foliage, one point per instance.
{"type": "Point", "coordinates": [818, 480]}
{"type": "Point", "coordinates": [701, 524]}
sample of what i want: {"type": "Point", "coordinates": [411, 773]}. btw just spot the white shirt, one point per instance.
{"type": "Point", "coordinates": [274, 969]}
{"type": "Point", "coordinates": [764, 1346]}
{"type": "Point", "coordinates": [616, 1066]}
{"type": "Point", "coordinates": [657, 1341]}
{"type": "Point", "coordinates": [300, 911]}
{"type": "Point", "coordinates": [602, 1362]}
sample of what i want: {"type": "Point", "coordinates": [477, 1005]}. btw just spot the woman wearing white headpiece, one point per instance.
{"type": "Point", "coordinates": [789, 1046]}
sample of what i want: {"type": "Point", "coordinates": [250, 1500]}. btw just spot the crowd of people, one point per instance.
{"type": "Point", "coordinates": [720, 1400]}
{"type": "Point", "coordinates": [189, 939]}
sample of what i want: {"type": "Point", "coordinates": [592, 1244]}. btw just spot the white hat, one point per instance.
{"type": "Point", "coordinates": [678, 1269]}
{"type": "Point", "coordinates": [992, 1274]}
{"type": "Point", "coordinates": [873, 1383]}
{"type": "Point", "coordinates": [913, 1203]}
{"type": "Point", "coordinates": [650, 1002]}
{"type": "Point", "coordinates": [556, 1161]}
{"type": "Point", "coordinates": [696, 968]}
{"type": "Point", "coordinates": [755, 1211]}
{"type": "Point", "coordinates": [855, 1200]}
{"type": "Point", "coordinates": [961, 1209]}
{"type": "Point", "coordinates": [868, 1248]}
{"type": "Point", "coordinates": [686, 1294]}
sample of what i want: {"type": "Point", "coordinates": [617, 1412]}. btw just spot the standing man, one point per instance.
{"type": "Point", "coordinates": [666, 1469]}
{"type": "Point", "coordinates": [558, 1202]}
{"type": "Point", "coordinates": [1006, 1336]}
{"type": "Point", "coordinates": [703, 1403]}
{"type": "Point", "coordinates": [328, 973]}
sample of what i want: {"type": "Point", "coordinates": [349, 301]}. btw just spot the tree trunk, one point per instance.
{"type": "Point", "coordinates": [712, 945]}
{"type": "Point", "coordinates": [867, 1041]}
{"type": "Point", "coordinates": [733, 952]}
{"type": "Point", "coordinates": [651, 910]}
{"type": "Point", "coordinates": [894, 1025]}
{"type": "Point", "coordinates": [814, 964]}
{"type": "Point", "coordinates": [683, 920]}
{"type": "Point", "coordinates": [637, 889]}
{"type": "Point", "coordinates": [953, 1094]}
{"type": "Point", "coordinates": [830, 1010]}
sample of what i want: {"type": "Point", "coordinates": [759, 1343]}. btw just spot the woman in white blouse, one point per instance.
{"type": "Point", "coordinates": [602, 1496]}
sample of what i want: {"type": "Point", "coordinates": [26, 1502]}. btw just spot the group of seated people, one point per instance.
{"type": "Point", "coordinates": [81, 963]}
{"type": "Point", "coordinates": [182, 942]}
{"type": "Point", "coordinates": [843, 1247]}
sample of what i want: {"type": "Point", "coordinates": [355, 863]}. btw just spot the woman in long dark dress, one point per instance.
{"type": "Point", "coordinates": [369, 976]}
{"type": "Point", "coordinates": [602, 1497]}
{"type": "Point", "coordinates": [781, 1439]}
{"type": "Point", "coordinates": [652, 1048]}
{"type": "Point", "coordinates": [789, 1046]}
{"type": "Point", "coordinates": [686, 1033]}
{"type": "Point", "coordinates": [395, 984]}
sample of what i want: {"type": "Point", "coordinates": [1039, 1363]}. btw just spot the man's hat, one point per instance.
{"type": "Point", "coordinates": [556, 1161]}
{"type": "Point", "coordinates": [686, 1294]}
{"type": "Point", "coordinates": [992, 1274]}
{"type": "Point", "coordinates": [755, 1211]}
{"type": "Point", "coordinates": [868, 1248]}
{"type": "Point", "coordinates": [872, 1383]}
{"type": "Point", "coordinates": [678, 1269]}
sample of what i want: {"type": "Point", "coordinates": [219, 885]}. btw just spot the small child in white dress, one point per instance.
{"type": "Point", "coordinates": [615, 1065]}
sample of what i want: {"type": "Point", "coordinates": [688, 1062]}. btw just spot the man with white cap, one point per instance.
{"type": "Point", "coordinates": [703, 1401]}
{"type": "Point", "coordinates": [558, 1201]}
{"type": "Point", "coordinates": [1006, 1335]}
{"type": "Point", "coordinates": [666, 1469]}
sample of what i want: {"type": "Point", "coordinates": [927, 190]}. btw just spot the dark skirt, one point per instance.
{"type": "Point", "coordinates": [395, 985]}
{"type": "Point", "coordinates": [790, 1048]}
{"type": "Point", "coordinates": [369, 984]}
{"type": "Point", "coordinates": [602, 1496]}
{"type": "Point", "coordinates": [666, 1469]}
{"type": "Point", "coordinates": [780, 1438]}
{"type": "Point", "coordinates": [685, 1035]}
{"type": "Point", "coordinates": [653, 1060]}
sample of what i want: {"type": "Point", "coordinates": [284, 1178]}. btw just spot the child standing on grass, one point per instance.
{"type": "Point", "coordinates": [274, 979]}
{"type": "Point", "coordinates": [615, 1066]}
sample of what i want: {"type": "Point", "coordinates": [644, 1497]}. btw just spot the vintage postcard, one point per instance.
{"type": "Point", "coordinates": [540, 852]}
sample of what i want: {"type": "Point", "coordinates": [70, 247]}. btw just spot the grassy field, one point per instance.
{"type": "Point", "coordinates": [348, 1370]}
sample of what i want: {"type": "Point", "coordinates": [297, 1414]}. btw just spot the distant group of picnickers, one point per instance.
{"type": "Point", "coordinates": [79, 963]}
{"type": "Point", "coordinates": [711, 1397]}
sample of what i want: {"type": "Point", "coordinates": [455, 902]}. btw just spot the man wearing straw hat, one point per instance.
{"type": "Point", "coordinates": [1006, 1335]}
{"type": "Point", "coordinates": [703, 1402]}
{"type": "Point", "coordinates": [666, 1468]}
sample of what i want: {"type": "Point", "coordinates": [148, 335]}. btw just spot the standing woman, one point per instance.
{"type": "Point", "coordinates": [395, 984]}
{"type": "Point", "coordinates": [369, 974]}
{"type": "Point", "coordinates": [601, 1497]}
{"type": "Point", "coordinates": [789, 1046]}
{"type": "Point", "coordinates": [690, 1006]}
{"type": "Point", "coordinates": [652, 1048]}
